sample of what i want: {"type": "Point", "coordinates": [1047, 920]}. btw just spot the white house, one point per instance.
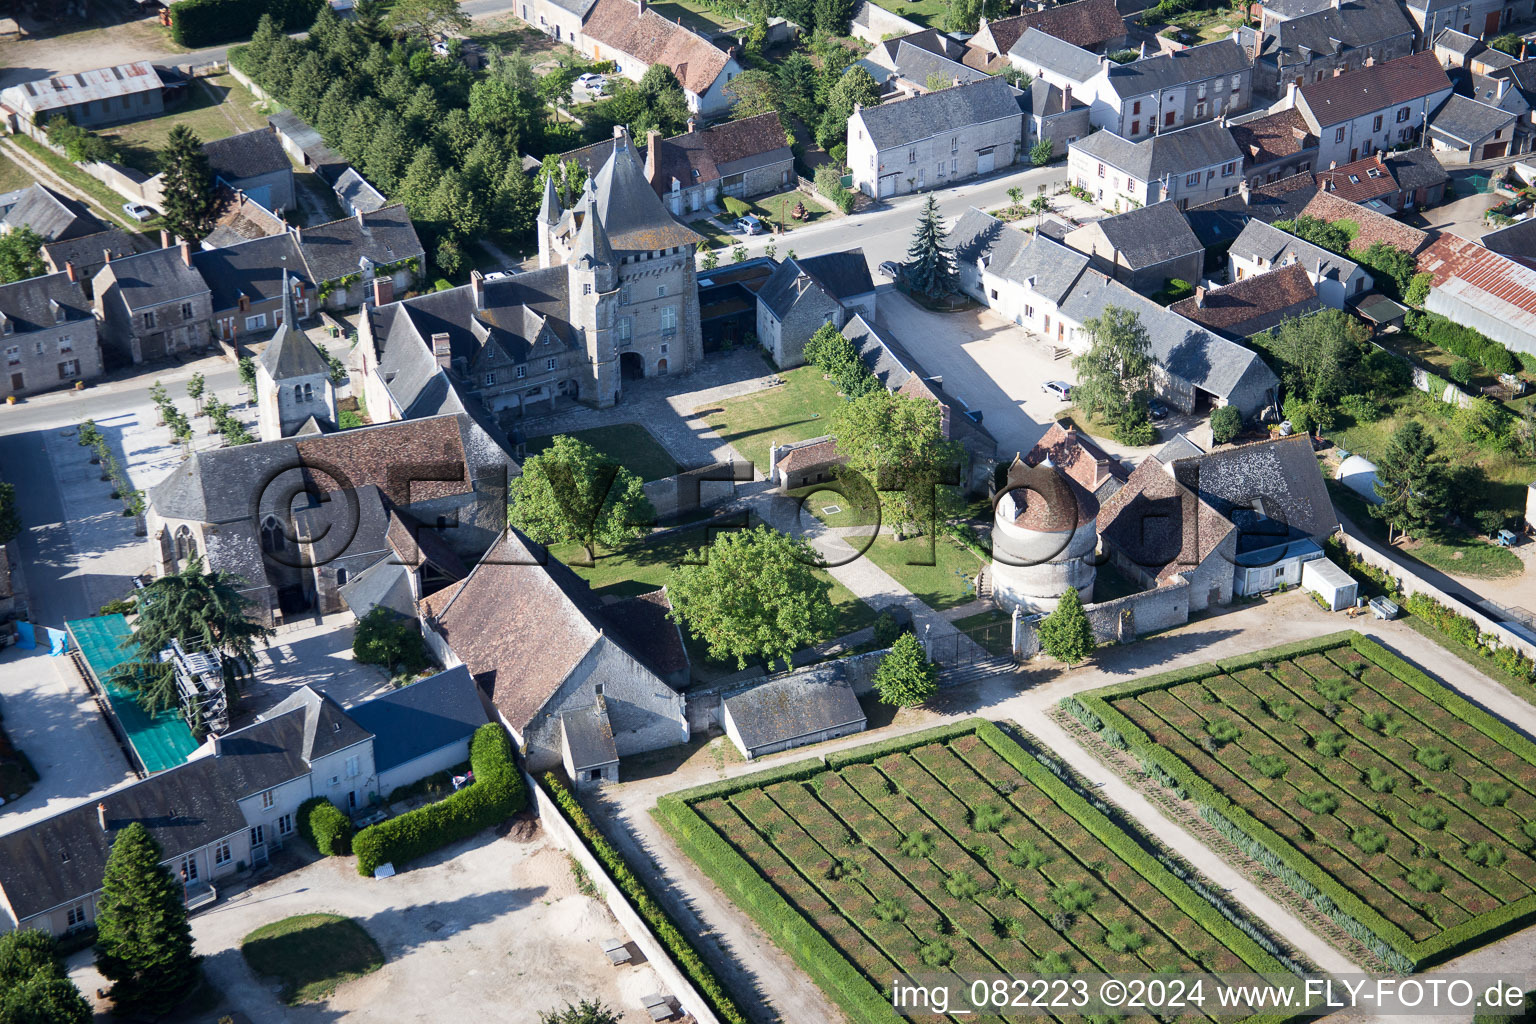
{"type": "Point", "coordinates": [1262, 247]}
{"type": "Point", "coordinates": [935, 140]}
{"type": "Point", "coordinates": [1377, 107]}
{"type": "Point", "coordinates": [1189, 166]}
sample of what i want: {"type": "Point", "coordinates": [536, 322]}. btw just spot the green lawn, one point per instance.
{"type": "Point", "coordinates": [311, 954]}
{"type": "Point", "coordinates": [779, 208]}
{"type": "Point", "coordinates": [628, 444]}
{"type": "Point", "coordinates": [1453, 551]}
{"type": "Point", "coordinates": [12, 175]}
{"type": "Point", "coordinates": [997, 642]}
{"type": "Point", "coordinates": [697, 17]}
{"type": "Point", "coordinates": [798, 410]}
{"type": "Point", "coordinates": [818, 497]}
{"type": "Point", "coordinates": [928, 13]}
{"type": "Point", "coordinates": [216, 108]}
{"type": "Point", "coordinates": [110, 203]}
{"type": "Point", "coordinates": [948, 583]}
{"type": "Point", "coordinates": [715, 237]}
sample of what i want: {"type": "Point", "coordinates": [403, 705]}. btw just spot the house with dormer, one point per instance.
{"type": "Point", "coordinates": [48, 333]}
{"type": "Point", "coordinates": [1341, 36]}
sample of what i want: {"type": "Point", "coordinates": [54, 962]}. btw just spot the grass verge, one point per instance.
{"type": "Point", "coordinates": [311, 954]}
{"type": "Point", "coordinates": [629, 444]}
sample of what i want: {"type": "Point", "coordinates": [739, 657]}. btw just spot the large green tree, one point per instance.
{"type": "Point", "coordinates": [835, 356]}
{"type": "Point", "coordinates": [1318, 355]}
{"type": "Point", "coordinates": [34, 987]}
{"type": "Point", "coordinates": [906, 678]}
{"type": "Point", "coordinates": [21, 255]}
{"type": "Point", "coordinates": [144, 943]}
{"type": "Point", "coordinates": [856, 88]}
{"type": "Point", "coordinates": [1066, 634]}
{"type": "Point", "coordinates": [384, 637]}
{"type": "Point", "coordinates": [202, 610]}
{"type": "Point", "coordinates": [1114, 374]}
{"type": "Point", "coordinates": [588, 1011]}
{"type": "Point", "coordinates": [930, 266]}
{"type": "Point", "coordinates": [1411, 482]}
{"type": "Point", "coordinates": [426, 18]}
{"type": "Point", "coordinates": [10, 518]}
{"type": "Point", "coordinates": [188, 185]}
{"type": "Point", "coordinates": [752, 594]}
{"type": "Point", "coordinates": [1391, 267]}
{"type": "Point", "coordinates": [895, 445]}
{"type": "Point", "coordinates": [571, 493]}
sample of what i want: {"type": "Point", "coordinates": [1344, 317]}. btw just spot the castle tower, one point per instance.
{"type": "Point", "coordinates": [1044, 533]}
{"type": "Point", "coordinates": [293, 380]}
{"type": "Point", "coordinates": [592, 272]}
{"type": "Point", "coordinates": [550, 212]}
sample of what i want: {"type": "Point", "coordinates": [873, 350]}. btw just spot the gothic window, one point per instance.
{"type": "Point", "coordinates": [309, 392]}
{"type": "Point", "coordinates": [298, 393]}
{"type": "Point", "coordinates": [186, 544]}
{"type": "Point", "coordinates": [272, 535]}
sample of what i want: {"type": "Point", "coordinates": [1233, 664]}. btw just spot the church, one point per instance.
{"type": "Point", "coordinates": [615, 299]}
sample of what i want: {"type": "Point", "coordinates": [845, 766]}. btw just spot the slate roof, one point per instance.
{"type": "Point", "coordinates": [421, 547]}
{"type": "Point", "coordinates": [917, 65]}
{"type": "Point", "coordinates": [899, 123]}
{"type": "Point", "coordinates": [1457, 42]}
{"type": "Point", "coordinates": [1253, 305]}
{"type": "Point", "coordinates": [877, 353]}
{"type": "Point", "coordinates": [1295, 8]}
{"type": "Point", "coordinates": [326, 727]}
{"type": "Point", "coordinates": [326, 162]}
{"type": "Point", "coordinates": [416, 720]}
{"type": "Point", "coordinates": [150, 278]}
{"type": "Point", "coordinates": [1517, 241]}
{"type": "Point", "coordinates": [841, 275]}
{"type": "Point", "coordinates": [629, 208]}
{"type": "Point", "coordinates": [1416, 168]}
{"type": "Point", "coordinates": [1181, 447]}
{"type": "Point", "coordinates": [1160, 524]}
{"type": "Point", "coordinates": [708, 154]}
{"type": "Point", "coordinates": [1464, 120]}
{"type": "Point", "coordinates": [1496, 92]}
{"type": "Point", "coordinates": [53, 216]}
{"type": "Point", "coordinates": [1274, 137]}
{"type": "Point", "coordinates": [86, 251]}
{"type": "Point", "coordinates": [1279, 479]}
{"type": "Point", "coordinates": [1221, 220]}
{"type": "Point", "coordinates": [1374, 227]}
{"type": "Point", "coordinates": [247, 155]}
{"type": "Point", "coordinates": [589, 737]}
{"type": "Point", "coordinates": [384, 236]}
{"type": "Point", "coordinates": [384, 584]}
{"type": "Point", "coordinates": [797, 705]}
{"type": "Point", "coordinates": [1043, 50]}
{"type": "Point", "coordinates": [1174, 153]}
{"type": "Point", "coordinates": [1352, 25]}
{"type": "Point", "coordinates": [185, 808]}
{"type": "Point", "coordinates": [647, 36]}
{"type": "Point", "coordinates": [1181, 67]}
{"type": "Point", "coordinates": [33, 304]}
{"type": "Point", "coordinates": [356, 194]}
{"type": "Point", "coordinates": [1149, 235]}
{"type": "Point", "coordinates": [642, 623]}
{"type": "Point", "coordinates": [1043, 99]}
{"type": "Point", "coordinates": [1359, 182]}
{"type": "Point", "coordinates": [290, 353]}
{"type": "Point", "coordinates": [1261, 241]}
{"type": "Point", "coordinates": [1366, 90]}
{"type": "Point", "coordinates": [254, 268]}
{"type": "Point", "coordinates": [930, 39]}
{"type": "Point", "coordinates": [592, 158]}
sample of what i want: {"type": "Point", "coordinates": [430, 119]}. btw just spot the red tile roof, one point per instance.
{"type": "Point", "coordinates": [1160, 524]}
{"type": "Point", "coordinates": [822, 453]}
{"type": "Point", "coordinates": [1271, 138]}
{"type": "Point", "coordinates": [1085, 23]}
{"type": "Point", "coordinates": [1077, 456]}
{"type": "Point", "coordinates": [648, 37]}
{"type": "Point", "coordinates": [1374, 227]}
{"type": "Point", "coordinates": [1359, 182]}
{"type": "Point", "coordinates": [1260, 298]}
{"type": "Point", "coordinates": [696, 157]}
{"type": "Point", "coordinates": [1366, 90]}
{"type": "Point", "coordinates": [1486, 279]}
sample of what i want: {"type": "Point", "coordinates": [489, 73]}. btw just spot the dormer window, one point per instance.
{"type": "Point", "coordinates": [58, 310]}
{"type": "Point", "coordinates": [6, 326]}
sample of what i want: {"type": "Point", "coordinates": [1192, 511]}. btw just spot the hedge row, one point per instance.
{"type": "Point", "coordinates": [496, 794]}
{"type": "Point", "coordinates": [873, 752]}
{"type": "Point", "coordinates": [1463, 341]}
{"type": "Point", "coordinates": [794, 771]}
{"type": "Point", "coordinates": [323, 826]}
{"type": "Point", "coordinates": [198, 23]}
{"type": "Point", "coordinates": [1285, 652]}
{"type": "Point", "coordinates": [1464, 631]}
{"type": "Point", "coordinates": [683, 954]}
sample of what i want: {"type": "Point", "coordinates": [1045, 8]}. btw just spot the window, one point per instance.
{"type": "Point", "coordinates": [1338, 134]}
{"type": "Point", "coordinates": [490, 380]}
{"type": "Point", "coordinates": [186, 311]}
{"type": "Point", "coordinates": [954, 144]}
{"type": "Point", "coordinates": [13, 355]}
{"type": "Point", "coordinates": [549, 364]}
{"type": "Point", "coordinates": [1200, 91]}
{"type": "Point", "coordinates": [586, 288]}
{"type": "Point", "coordinates": [256, 323]}
{"type": "Point", "coordinates": [66, 344]}
{"type": "Point", "coordinates": [1101, 170]}
{"type": "Point", "coordinates": [266, 798]}
{"type": "Point", "coordinates": [1192, 178]}
{"type": "Point", "coordinates": [333, 781]}
{"type": "Point", "coordinates": [1402, 115]}
{"type": "Point", "coordinates": [1029, 312]}
{"type": "Point", "coordinates": [149, 320]}
{"type": "Point", "coordinates": [625, 327]}
{"type": "Point", "coordinates": [1135, 127]}
{"type": "Point", "coordinates": [285, 825]}
{"type": "Point", "coordinates": [522, 371]}
{"type": "Point", "coordinates": [341, 577]}
{"type": "Point", "coordinates": [188, 869]}
{"type": "Point", "coordinates": [668, 320]}
{"type": "Point", "coordinates": [309, 392]}
{"type": "Point", "coordinates": [354, 766]}
{"type": "Point", "coordinates": [1376, 124]}
{"type": "Point", "coordinates": [624, 292]}
{"type": "Point", "coordinates": [954, 165]}
{"type": "Point", "coordinates": [1200, 109]}
{"type": "Point", "coordinates": [258, 835]}
{"type": "Point", "coordinates": [221, 855]}
{"type": "Point", "coordinates": [69, 368]}
{"type": "Point", "coordinates": [911, 156]}
{"type": "Point", "coordinates": [58, 311]}
{"type": "Point", "coordinates": [661, 291]}
{"type": "Point", "coordinates": [1228, 170]}
{"type": "Point", "coordinates": [6, 327]}
{"type": "Point", "coordinates": [77, 915]}
{"type": "Point", "coordinates": [1136, 107]}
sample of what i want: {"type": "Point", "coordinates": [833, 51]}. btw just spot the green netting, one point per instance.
{"type": "Point", "coordinates": [1478, 182]}
{"type": "Point", "coordinates": [161, 741]}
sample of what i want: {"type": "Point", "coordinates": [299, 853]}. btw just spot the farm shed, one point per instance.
{"type": "Point", "coordinates": [804, 707]}
{"type": "Point", "coordinates": [1336, 587]}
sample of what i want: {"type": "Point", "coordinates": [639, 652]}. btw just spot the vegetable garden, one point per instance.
{"type": "Point", "coordinates": [1401, 810]}
{"type": "Point", "coordinates": [950, 850]}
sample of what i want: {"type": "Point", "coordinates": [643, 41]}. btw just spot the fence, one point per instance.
{"type": "Point", "coordinates": [638, 931]}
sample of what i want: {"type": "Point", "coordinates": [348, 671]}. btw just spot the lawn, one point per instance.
{"type": "Point", "coordinates": [798, 410]}
{"type": "Point", "coordinates": [928, 13]}
{"type": "Point", "coordinates": [1411, 809]}
{"type": "Point", "coordinates": [628, 444]}
{"type": "Point", "coordinates": [311, 954]}
{"type": "Point", "coordinates": [818, 498]}
{"type": "Point", "coordinates": [215, 108]}
{"type": "Point", "coordinates": [937, 570]}
{"type": "Point", "coordinates": [1451, 551]}
{"type": "Point", "coordinates": [13, 176]}
{"type": "Point", "coordinates": [949, 850]}
{"type": "Point", "coordinates": [697, 17]}
{"type": "Point", "coordinates": [1205, 26]}
{"type": "Point", "coordinates": [779, 209]}
{"type": "Point", "coordinates": [110, 203]}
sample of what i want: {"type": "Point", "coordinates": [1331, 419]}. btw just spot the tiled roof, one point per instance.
{"type": "Point", "coordinates": [1173, 153]}
{"type": "Point", "coordinates": [629, 208]}
{"type": "Point", "coordinates": [705, 155]}
{"type": "Point", "coordinates": [247, 155]}
{"type": "Point", "coordinates": [1160, 524]}
{"type": "Point", "coordinates": [1273, 137]}
{"type": "Point", "coordinates": [1254, 304]}
{"type": "Point", "coordinates": [899, 123]}
{"type": "Point", "coordinates": [1352, 25]}
{"type": "Point", "coordinates": [53, 216]}
{"type": "Point", "coordinates": [1076, 455]}
{"type": "Point", "coordinates": [1085, 23]}
{"type": "Point", "coordinates": [1367, 90]}
{"type": "Point", "coordinates": [239, 218]}
{"type": "Point", "coordinates": [1043, 50]}
{"type": "Point", "coordinates": [1181, 67]}
{"type": "Point", "coordinates": [1360, 181]}
{"type": "Point", "coordinates": [1374, 227]}
{"type": "Point", "coordinates": [647, 36]}
{"type": "Point", "coordinates": [33, 304]}
{"type": "Point", "coordinates": [821, 451]}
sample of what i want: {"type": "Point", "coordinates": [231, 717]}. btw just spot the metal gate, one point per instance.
{"type": "Point", "coordinates": [988, 642]}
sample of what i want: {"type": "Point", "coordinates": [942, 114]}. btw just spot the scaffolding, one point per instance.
{"type": "Point", "coordinates": [199, 685]}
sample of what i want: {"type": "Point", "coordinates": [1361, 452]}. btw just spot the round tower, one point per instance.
{"type": "Point", "coordinates": [1044, 534]}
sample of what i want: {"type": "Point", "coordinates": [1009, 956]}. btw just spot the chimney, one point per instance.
{"type": "Point", "coordinates": [69, 268]}
{"type": "Point", "coordinates": [106, 255]}
{"type": "Point", "coordinates": [477, 288]}
{"type": "Point", "coordinates": [383, 291]}
{"type": "Point", "coordinates": [298, 233]}
{"type": "Point", "coordinates": [101, 816]}
{"type": "Point", "coordinates": [240, 197]}
{"type": "Point", "coordinates": [652, 136]}
{"type": "Point", "coordinates": [620, 137]}
{"type": "Point", "coordinates": [1501, 88]}
{"type": "Point", "coordinates": [165, 238]}
{"type": "Point", "coordinates": [1290, 94]}
{"type": "Point", "coordinates": [359, 216]}
{"type": "Point", "coordinates": [442, 351]}
{"type": "Point", "coordinates": [218, 746]}
{"type": "Point", "coordinates": [642, 5]}
{"type": "Point", "coordinates": [693, 124]}
{"type": "Point", "coordinates": [1333, 165]}
{"type": "Point", "coordinates": [1200, 296]}
{"type": "Point", "coordinates": [857, 106]}
{"type": "Point", "coordinates": [1066, 97]}
{"type": "Point", "coordinates": [1242, 190]}
{"type": "Point", "coordinates": [955, 82]}
{"type": "Point", "coordinates": [186, 253]}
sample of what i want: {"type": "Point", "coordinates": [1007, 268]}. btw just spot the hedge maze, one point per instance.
{"type": "Point", "coordinates": [1402, 810]}
{"type": "Point", "coordinates": [951, 850]}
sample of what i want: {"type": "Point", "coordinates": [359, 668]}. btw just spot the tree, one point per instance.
{"type": "Point", "coordinates": [426, 18]}
{"type": "Point", "coordinates": [906, 678]}
{"type": "Point", "coordinates": [34, 986]}
{"type": "Point", "coordinates": [1509, 42]}
{"type": "Point", "coordinates": [383, 637]}
{"type": "Point", "coordinates": [1318, 354]}
{"type": "Point", "coordinates": [204, 611]}
{"type": "Point", "coordinates": [247, 370]}
{"type": "Point", "coordinates": [10, 519]}
{"type": "Point", "coordinates": [588, 1011]}
{"type": "Point", "coordinates": [752, 93]}
{"type": "Point", "coordinates": [752, 594]}
{"type": "Point", "coordinates": [1041, 152]}
{"type": "Point", "coordinates": [197, 384]}
{"type": "Point", "coordinates": [144, 943]}
{"type": "Point", "coordinates": [895, 446]}
{"type": "Point", "coordinates": [833, 16]}
{"type": "Point", "coordinates": [930, 266]}
{"type": "Point", "coordinates": [21, 255]}
{"type": "Point", "coordinates": [1410, 481]}
{"type": "Point", "coordinates": [1418, 289]}
{"type": "Point", "coordinates": [665, 104]}
{"type": "Point", "coordinates": [709, 260]}
{"type": "Point", "coordinates": [571, 493]}
{"type": "Point", "coordinates": [1066, 634]}
{"type": "Point", "coordinates": [938, 80]}
{"type": "Point", "coordinates": [1392, 268]}
{"type": "Point", "coordinates": [188, 185]}
{"type": "Point", "coordinates": [796, 90]}
{"type": "Point", "coordinates": [80, 145]}
{"type": "Point", "coordinates": [856, 87]}
{"type": "Point", "coordinates": [1113, 374]}
{"type": "Point", "coordinates": [1226, 424]}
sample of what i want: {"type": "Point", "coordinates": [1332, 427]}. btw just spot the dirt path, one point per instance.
{"type": "Point", "coordinates": [46, 176]}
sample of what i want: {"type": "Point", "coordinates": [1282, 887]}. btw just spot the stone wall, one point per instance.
{"type": "Point", "coordinates": [691, 490]}
{"type": "Point", "coordinates": [1118, 621]}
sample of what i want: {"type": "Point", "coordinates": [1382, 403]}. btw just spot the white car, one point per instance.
{"type": "Point", "coordinates": [592, 82]}
{"type": "Point", "coordinates": [497, 275]}
{"type": "Point", "coordinates": [750, 225]}
{"type": "Point", "coordinates": [1058, 389]}
{"type": "Point", "coordinates": [138, 211]}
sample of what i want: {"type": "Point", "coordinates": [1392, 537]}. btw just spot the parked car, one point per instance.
{"type": "Point", "coordinates": [1058, 389]}
{"type": "Point", "coordinates": [138, 211]}
{"type": "Point", "coordinates": [1157, 409]}
{"type": "Point", "coordinates": [750, 225]}
{"type": "Point", "coordinates": [497, 275]}
{"type": "Point", "coordinates": [891, 269]}
{"type": "Point", "coordinates": [592, 82]}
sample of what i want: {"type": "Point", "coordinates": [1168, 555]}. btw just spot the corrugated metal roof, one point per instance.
{"type": "Point", "coordinates": [85, 86]}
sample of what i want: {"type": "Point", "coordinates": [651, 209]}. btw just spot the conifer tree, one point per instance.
{"type": "Point", "coordinates": [1066, 634]}
{"type": "Point", "coordinates": [144, 944]}
{"type": "Point", "coordinates": [930, 265]}
{"type": "Point", "coordinates": [188, 185]}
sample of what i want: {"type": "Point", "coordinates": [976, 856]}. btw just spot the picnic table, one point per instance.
{"type": "Point", "coordinates": [658, 1005]}
{"type": "Point", "coordinates": [617, 950]}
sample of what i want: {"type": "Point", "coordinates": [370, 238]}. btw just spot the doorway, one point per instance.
{"type": "Point", "coordinates": [631, 365]}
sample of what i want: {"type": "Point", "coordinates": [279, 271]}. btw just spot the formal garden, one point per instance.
{"type": "Point", "coordinates": [1400, 810]}
{"type": "Point", "coordinates": [954, 849]}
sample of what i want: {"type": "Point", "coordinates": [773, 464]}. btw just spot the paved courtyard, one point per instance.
{"type": "Point", "coordinates": [317, 654]}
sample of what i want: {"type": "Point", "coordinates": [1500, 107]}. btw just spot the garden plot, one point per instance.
{"type": "Point", "coordinates": [1369, 787]}
{"type": "Point", "coordinates": [952, 850]}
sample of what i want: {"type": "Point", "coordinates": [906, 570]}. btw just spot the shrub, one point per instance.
{"type": "Point", "coordinates": [830, 184]}
{"type": "Point", "coordinates": [962, 886]}
{"type": "Point", "coordinates": [988, 818]}
{"type": "Point", "coordinates": [936, 954]}
{"type": "Point", "coordinates": [1433, 758]}
{"type": "Point", "coordinates": [735, 207]}
{"type": "Point", "coordinates": [1222, 730]}
{"type": "Point", "coordinates": [1122, 939]}
{"type": "Point", "coordinates": [1425, 879]}
{"type": "Point", "coordinates": [496, 794]}
{"type": "Point", "coordinates": [887, 629]}
{"type": "Point", "coordinates": [917, 844]}
{"type": "Point", "coordinates": [845, 870]}
{"type": "Point", "coordinates": [1428, 816]}
{"type": "Point", "coordinates": [1489, 794]}
{"type": "Point", "coordinates": [1052, 963]}
{"type": "Point", "coordinates": [1380, 780]}
{"type": "Point", "coordinates": [1485, 854]}
{"type": "Point", "coordinates": [323, 826]}
{"type": "Point", "coordinates": [1072, 897]}
{"type": "Point", "coordinates": [890, 911]}
{"type": "Point", "coordinates": [198, 23]}
{"type": "Point", "coordinates": [1334, 689]}
{"type": "Point", "coordinates": [1368, 839]}
{"type": "Point", "coordinates": [1383, 722]}
{"type": "Point", "coordinates": [1271, 766]}
{"type": "Point", "coordinates": [1319, 801]}
{"type": "Point", "coordinates": [1226, 424]}
{"type": "Point", "coordinates": [1462, 372]}
{"type": "Point", "coordinates": [1028, 855]}
{"type": "Point", "coordinates": [1461, 340]}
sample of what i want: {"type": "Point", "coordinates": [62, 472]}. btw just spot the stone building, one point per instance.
{"type": "Point", "coordinates": [804, 293]}
{"type": "Point", "coordinates": [1339, 38]}
{"type": "Point", "coordinates": [1170, 90]}
{"type": "Point", "coordinates": [152, 305]}
{"type": "Point", "coordinates": [1144, 248]}
{"type": "Point", "coordinates": [293, 380]}
{"type": "Point", "coordinates": [245, 284]}
{"type": "Point", "coordinates": [49, 335]}
{"type": "Point", "coordinates": [1189, 165]}
{"type": "Point", "coordinates": [1043, 538]}
{"type": "Point", "coordinates": [1383, 106]}
{"type": "Point", "coordinates": [748, 157]}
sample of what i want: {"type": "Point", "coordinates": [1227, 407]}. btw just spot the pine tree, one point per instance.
{"type": "Point", "coordinates": [1066, 634]}
{"type": "Point", "coordinates": [906, 677]}
{"type": "Point", "coordinates": [930, 265]}
{"type": "Point", "coordinates": [1410, 481]}
{"type": "Point", "coordinates": [188, 185]}
{"type": "Point", "coordinates": [144, 944]}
